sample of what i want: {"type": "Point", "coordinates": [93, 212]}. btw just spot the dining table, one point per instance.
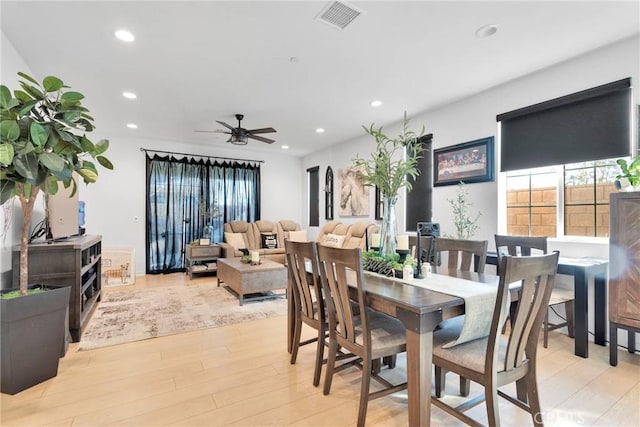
{"type": "Point", "coordinates": [420, 310]}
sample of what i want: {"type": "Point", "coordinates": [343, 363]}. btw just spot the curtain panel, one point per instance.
{"type": "Point", "coordinates": [185, 195]}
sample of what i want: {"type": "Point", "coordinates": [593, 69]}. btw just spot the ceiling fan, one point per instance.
{"type": "Point", "coordinates": [240, 135]}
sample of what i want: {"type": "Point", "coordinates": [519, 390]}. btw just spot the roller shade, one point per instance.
{"type": "Point", "coordinates": [589, 125]}
{"type": "Point", "coordinates": [419, 199]}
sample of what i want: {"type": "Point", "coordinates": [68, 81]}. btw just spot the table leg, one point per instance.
{"type": "Point", "coordinates": [600, 304]}
{"type": "Point", "coordinates": [581, 313]}
{"type": "Point", "coordinates": [613, 344]}
{"type": "Point", "coordinates": [419, 356]}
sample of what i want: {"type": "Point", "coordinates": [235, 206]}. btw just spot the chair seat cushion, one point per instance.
{"type": "Point", "coordinates": [385, 331]}
{"type": "Point", "coordinates": [470, 354]}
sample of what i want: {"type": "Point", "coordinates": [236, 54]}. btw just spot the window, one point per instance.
{"type": "Point", "coordinates": [535, 208]}
{"type": "Point", "coordinates": [314, 196]}
{"type": "Point", "coordinates": [532, 202]}
{"type": "Point", "coordinates": [586, 197]}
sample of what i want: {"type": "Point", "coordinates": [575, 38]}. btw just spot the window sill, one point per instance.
{"type": "Point", "coordinates": [577, 246]}
{"type": "Point", "coordinates": [604, 241]}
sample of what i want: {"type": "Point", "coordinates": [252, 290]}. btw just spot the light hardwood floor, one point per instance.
{"type": "Point", "coordinates": [240, 375]}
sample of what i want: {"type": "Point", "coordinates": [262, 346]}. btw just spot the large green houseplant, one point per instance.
{"type": "Point", "coordinates": [43, 143]}
{"type": "Point", "coordinates": [388, 167]}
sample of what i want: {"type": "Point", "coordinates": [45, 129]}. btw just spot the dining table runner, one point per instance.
{"type": "Point", "coordinates": [479, 302]}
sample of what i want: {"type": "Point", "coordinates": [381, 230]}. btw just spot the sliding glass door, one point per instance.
{"type": "Point", "coordinates": [186, 195]}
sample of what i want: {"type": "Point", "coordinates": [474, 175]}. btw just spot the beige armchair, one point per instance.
{"type": "Point", "coordinates": [353, 235]}
{"type": "Point", "coordinates": [284, 227]}
{"type": "Point", "coordinates": [231, 248]}
{"type": "Point", "coordinates": [359, 235]}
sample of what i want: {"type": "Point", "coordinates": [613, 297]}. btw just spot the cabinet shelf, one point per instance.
{"type": "Point", "coordinates": [87, 267]}
{"type": "Point", "coordinates": [65, 263]}
{"type": "Point", "coordinates": [88, 283]}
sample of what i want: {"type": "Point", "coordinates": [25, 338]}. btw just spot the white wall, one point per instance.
{"type": "Point", "coordinates": [475, 117]}
{"type": "Point", "coordinates": [115, 204]}
{"type": "Point", "coordinates": [11, 63]}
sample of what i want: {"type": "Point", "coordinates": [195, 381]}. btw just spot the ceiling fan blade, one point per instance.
{"type": "Point", "coordinates": [225, 125]}
{"type": "Point", "coordinates": [261, 130]}
{"type": "Point", "coordinates": [213, 131]}
{"type": "Point", "coordinates": [261, 138]}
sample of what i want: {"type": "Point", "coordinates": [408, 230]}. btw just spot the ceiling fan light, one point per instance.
{"type": "Point", "coordinates": [239, 139]}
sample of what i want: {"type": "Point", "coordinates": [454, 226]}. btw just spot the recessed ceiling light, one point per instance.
{"type": "Point", "coordinates": [486, 31]}
{"type": "Point", "coordinates": [285, 147]}
{"type": "Point", "coordinates": [320, 130]}
{"type": "Point", "coordinates": [375, 103]}
{"type": "Point", "coordinates": [129, 95]}
{"type": "Point", "coordinates": [124, 35]}
{"type": "Point", "coordinates": [132, 126]}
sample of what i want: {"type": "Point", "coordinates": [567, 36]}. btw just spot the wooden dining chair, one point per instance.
{"type": "Point", "coordinates": [501, 359]}
{"type": "Point", "coordinates": [460, 256]}
{"type": "Point", "coordinates": [462, 253]}
{"type": "Point", "coordinates": [368, 334]}
{"type": "Point", "coordinates": [309, 304]}
{"type": "Point", "coordinates": [523, 245]}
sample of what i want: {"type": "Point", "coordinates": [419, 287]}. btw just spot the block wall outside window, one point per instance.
{"type": "Point", "coordinates": [580, 211]}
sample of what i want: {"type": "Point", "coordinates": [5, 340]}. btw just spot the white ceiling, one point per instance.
{"type": "Point", "coordinates": [196, 62]}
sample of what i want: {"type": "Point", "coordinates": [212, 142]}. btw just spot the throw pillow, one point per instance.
{"type": "Point", "coordinates": [333, 240]}
{"type": "Point", "coordinates": [269, 241]}
{"type": "Point", "coordinates": [235, 240]}
{"type": "Point", "coordinates": [298, 236]}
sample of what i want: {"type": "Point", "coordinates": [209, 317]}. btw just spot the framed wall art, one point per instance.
{"type": "Point", "coordinates": [354, 195]}
{"type": "Point", "coordinates": [467, 162]}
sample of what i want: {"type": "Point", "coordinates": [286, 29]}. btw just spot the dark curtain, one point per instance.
{"type": "Point", "coordinates": [419, 199]}
{"type": "Point", "coordinates": [186, 195]}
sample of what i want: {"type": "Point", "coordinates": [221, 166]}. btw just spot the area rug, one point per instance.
{"type": "Point", "coordinates": [135, 315]}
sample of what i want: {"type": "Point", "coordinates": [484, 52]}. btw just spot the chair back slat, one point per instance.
{"type": "Point", "coordinates": [536, 274]}
{"type": "Point", "coordinates": [302, 263]}
{"type": "Point", "coordinates": [461, 253]}
{"type": "Point", "coordinates": [337, 267]}
{"type": "Point", "coordinates": [519, 245]}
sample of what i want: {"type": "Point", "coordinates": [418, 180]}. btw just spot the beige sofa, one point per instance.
{"type": "Point", "coordinates": [267, 237]}
{"type": "Point", "coordinates": [255, 236]}
{"type": "Point", "coordinates": [345, 235]}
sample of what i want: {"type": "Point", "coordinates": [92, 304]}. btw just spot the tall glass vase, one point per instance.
{"type": "Point", "coordinates": [388, 232]}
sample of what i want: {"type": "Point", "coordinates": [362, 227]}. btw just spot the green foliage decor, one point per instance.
{"type": "Point", "coordinates": [387, 168]}
{"type": "Point", "coordinates": [465, 223]}
{"type": "Point", "coordinates": [630, 171]}
{"type": "Point", "coordinates": [388, 265]}
{"type": "Point", "coordinates": [42, 143]}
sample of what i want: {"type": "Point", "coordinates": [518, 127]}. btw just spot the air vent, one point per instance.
{"type": "Point", "coordinates": [338, 14]}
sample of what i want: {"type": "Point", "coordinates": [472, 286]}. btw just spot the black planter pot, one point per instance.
{"type": "Point", "coordinates": [32, 330]}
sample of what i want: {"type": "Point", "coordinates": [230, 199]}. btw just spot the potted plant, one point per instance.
{"type": "Point", "coordinates": [43, 143]}
{"type": "Point", "coordinates": [630, 172]}
{"type": "Point", "coordinates": [388, 167]}
{"type": "Point", "coordinates": [466, 224]}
